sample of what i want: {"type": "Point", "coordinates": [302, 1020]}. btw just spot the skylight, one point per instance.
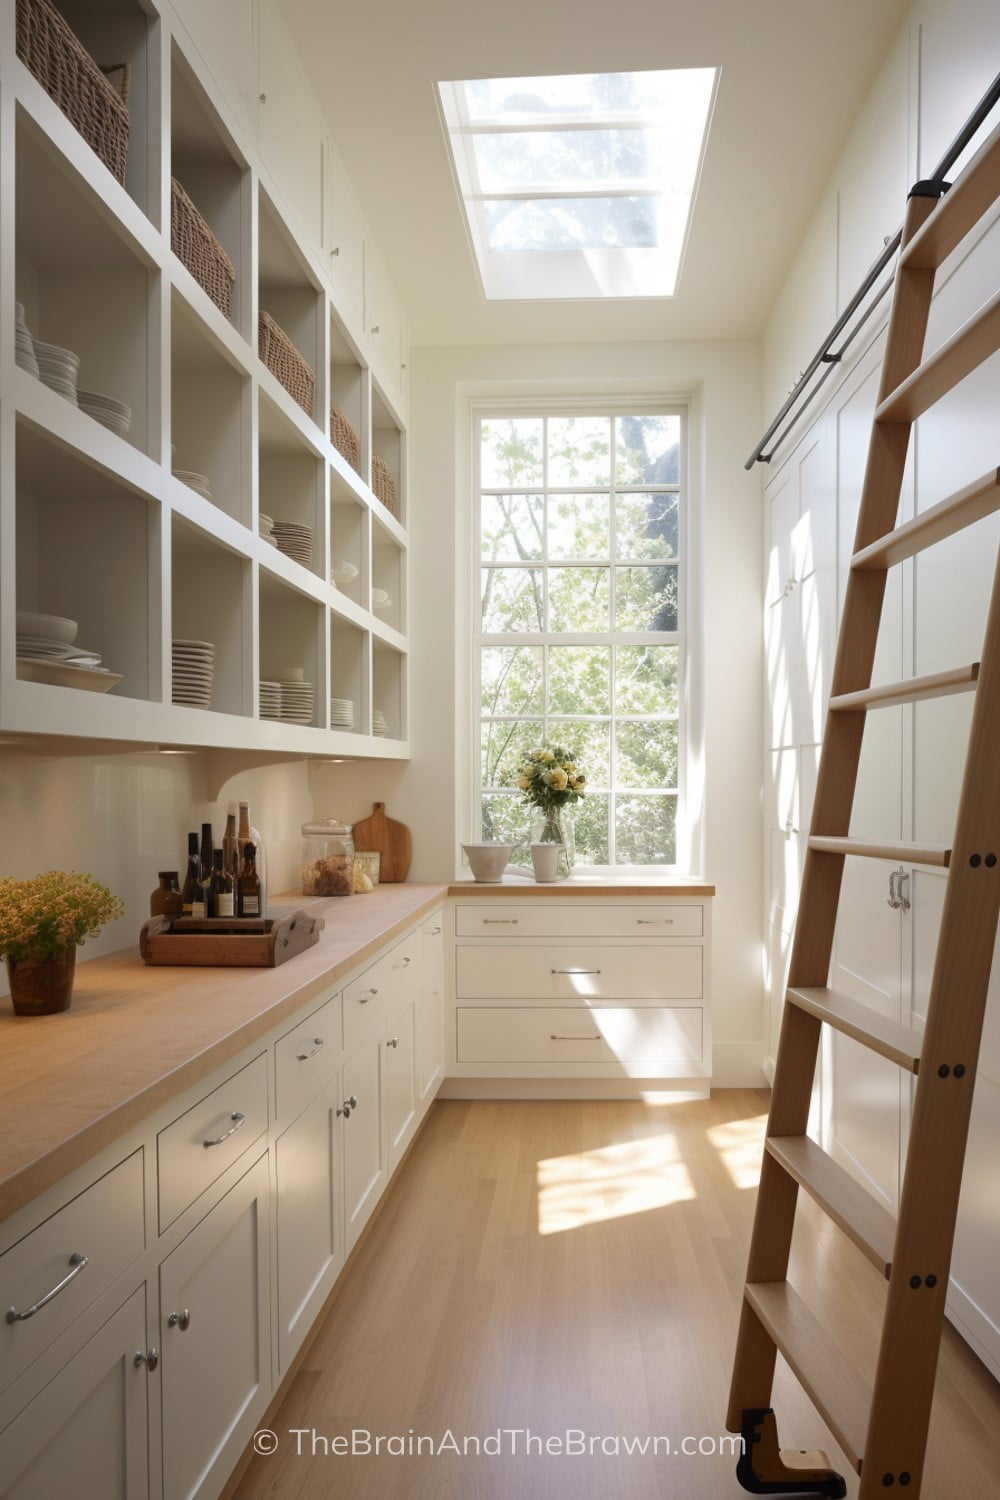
{"type": "Point", "coordinates": [579, 185]}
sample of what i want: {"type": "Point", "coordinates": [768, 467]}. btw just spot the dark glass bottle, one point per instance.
{"type": "Point", "coordinates": [230, 845]}
{"type": "Point", "coordinates": [166, 899]}
{"type": "Point", "coordinates": [221, 890]}
{"type": "Point", "coordinates": [248, 893]}
{"type": "Point", "coordinates": [189, 890]}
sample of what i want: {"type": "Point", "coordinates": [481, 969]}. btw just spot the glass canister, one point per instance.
{"type": "Point", "coordinates": [327, 858]}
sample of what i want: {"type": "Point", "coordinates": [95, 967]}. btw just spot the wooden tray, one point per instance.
{"type": "Point", "coordinates": [228, 942]}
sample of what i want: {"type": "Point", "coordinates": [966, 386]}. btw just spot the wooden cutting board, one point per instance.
{"type": "Point", "coordinates": [391, 840]}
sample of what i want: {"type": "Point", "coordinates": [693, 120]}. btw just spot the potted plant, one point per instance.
{"type": "Point", "coordinates": [551, 783]}
{"type": "Point", "coordinates": [42, 920]}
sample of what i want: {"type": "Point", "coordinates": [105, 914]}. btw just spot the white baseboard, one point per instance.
{"type": "Point", "coordinates": [738, 1065]}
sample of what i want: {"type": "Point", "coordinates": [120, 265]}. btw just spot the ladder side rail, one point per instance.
{"type": "Point", "coordinates": [942, 1109]}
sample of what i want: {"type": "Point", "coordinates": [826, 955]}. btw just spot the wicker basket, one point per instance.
{"type": "Point", "coordinates": [193, 242]}
{"type": "Point", "coordinates": [343, 437]}
{"type": "Point", "coordinates": [97, 107]}
{"type": "Point", "coordinates": [384, 485]}
{"type": "Point", "coordinates": [285, 362]}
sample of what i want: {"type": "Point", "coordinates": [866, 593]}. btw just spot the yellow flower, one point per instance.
{"type": "Point", "coordinates": [546, 756]}
{"type": "Point", "coordinates": [557, 779]}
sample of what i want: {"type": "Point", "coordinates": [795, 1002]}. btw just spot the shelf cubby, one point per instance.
{"type": "Point", "coordinates": [292, 630]}
{"type": "Point", "coordinates": [389, 687]}
{"type": "Point", "coordinates": [210, 601]}
{"type": "Point", "coordinates": [291, 478]}
{"type": "Point", "coordinates": [216, 177]}
{"type": "Point", "coordinates": [350, 670]}
{"type": "Point", "coordinates": [388, 444]}
{"type": "Point", "coordinates": [388, 575]}
{"type": "Point", "coordinates": [349, 389]}
{"type": "Point", "coordinates": [68, 513]}
{"type": "Point", "coordinates": [349, 523]}
{"type": "Point", "coordinates": [117, 32]}
{"type": "Point", "coordinates": [84, 286]}
{"type": "Point", "coordinates": [210, 403]}
{"type": "Point", "coordinates": [288, 291]}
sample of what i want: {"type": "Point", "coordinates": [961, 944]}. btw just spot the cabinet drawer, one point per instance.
{"type": "Point", "coordinates": [199, 1146]}
{"type": "Point", "coordinates": [105, 1225]}
{"type": "Point", "coordinates": [368, 997]}
{"type": "Point", "coordinates": [579, 970]}
{"type": "Point", "coordinates": [306, 1059]}
{"type": "Point", "coordinates": [578, 919]}
{"type": "Point", "coordinates": [644, 1041]}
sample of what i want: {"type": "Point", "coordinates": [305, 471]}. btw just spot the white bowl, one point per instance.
{"type": "Point", "coordinates": [488, 861]}
{"type": "Point", "coordinates": [342, 572]}
{"type": "Point", "coordinates": [48, 627]}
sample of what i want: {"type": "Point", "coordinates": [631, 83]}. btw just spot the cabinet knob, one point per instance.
{"type": "Point", "coordinates": [181, 1320]}
{"type": "Point", "coordinates": [150, 1360]}
{"type": "Point", "coordinates": [364, 999]}
{"type": "Point", "coordinates": [335, 250]}
{"type": "Point", "coordinates": [393, 1041]}
{"type": "Point", "coordinates": [374, 328]}
{"type": "Point", "coordinates": [305, 1056]}
{"type": "Point", "coordinates": [347, 1106]}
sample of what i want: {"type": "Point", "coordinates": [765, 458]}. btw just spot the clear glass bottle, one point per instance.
{"type": "Point", "coordinates": [327, 858]}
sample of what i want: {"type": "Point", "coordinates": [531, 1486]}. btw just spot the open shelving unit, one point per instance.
{"type": "Point", "coordinates": [94, 524]}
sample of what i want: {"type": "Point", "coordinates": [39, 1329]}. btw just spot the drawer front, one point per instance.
{"type": "Point", "coordinates": [199, 1146]}
{"type": "Point", "coordinates": [578, 919]}
{"type": "Point", "coordinates": [104, 1224]}
{"type": "Point", "coordinates": [369, 997]}
{"type": "Point", "coordinates": [579, 971]}
{"type": "Point", "coordinates": [306, 1059]}
{"type": "Point", "coordinates": [643, 1041]}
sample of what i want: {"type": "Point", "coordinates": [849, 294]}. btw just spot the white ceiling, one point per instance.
{"type": "Point", "coordinates": [794, 74]}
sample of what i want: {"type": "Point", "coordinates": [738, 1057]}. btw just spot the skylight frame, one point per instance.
{"type": "Point", "coordinates": [536, 272]}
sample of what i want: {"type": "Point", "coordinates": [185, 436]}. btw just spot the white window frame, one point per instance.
{"type": "Point", "coordinates": [616, 406]}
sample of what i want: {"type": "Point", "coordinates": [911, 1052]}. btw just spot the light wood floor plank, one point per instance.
{"type": "Point", "coordinates": [460, 1316]}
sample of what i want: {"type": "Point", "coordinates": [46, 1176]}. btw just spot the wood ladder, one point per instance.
{"type": "Point", "coordinates": [882, 1425]}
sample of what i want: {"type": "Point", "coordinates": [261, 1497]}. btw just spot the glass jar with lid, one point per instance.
{"type": "Point", "coordinates": [327, 858]}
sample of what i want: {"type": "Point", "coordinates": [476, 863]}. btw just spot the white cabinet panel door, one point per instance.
{"type": "Point", "coordinates": [310, 1228]}
{"type": "Point", "coordinates": [364, 1158]}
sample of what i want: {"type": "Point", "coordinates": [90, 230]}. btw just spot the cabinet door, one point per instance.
{"type": "Point", "coordinates": [84, 1437]}
{"type": "Point", "coordinates": [310, 1223]}
{"type": "Point", "coordinates": [214, 1339]}
{"type": "Point", "coordinates": [429, 1014]}
{"type": "Point", "coordinates": [343, 237]}
{"type": "Point", "coordinates": [364, 1159]}
{"type": "Point", "coordinates": [291, 129]}
{"type": "Point", "coordinates": [399, 1095]}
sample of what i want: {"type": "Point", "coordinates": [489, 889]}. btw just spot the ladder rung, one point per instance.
{"type": "Point", "coordinates": [859, 1215]}
{"type": "Point", "coordinates": [957, 357]}
{"type": "Point", "coordinates": [935, 685]}
{"type": "Point", "coordinates": [828, 1377]}
{"type": "Point", "coordinates": [898, 1043]}
{"type": "Point", "coordinates": [958, 211]}
{"type": "Point", "coordinates": [966, 506]}
{"type": "Point", "coordinates": [936, 855]}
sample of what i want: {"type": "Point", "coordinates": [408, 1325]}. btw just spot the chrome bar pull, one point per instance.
{"type": "Point", "coordinates": [77, 1261]}
{"type": "Point", "coordinates": [238, 1122]}
{"type": "Point", "coordinates": [560, 1036]}
{"type": "Point", "coordinates": [574, 971]}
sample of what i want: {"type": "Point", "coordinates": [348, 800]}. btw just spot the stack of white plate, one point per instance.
{"type": "Point", "coordinates": [294, 541]}
{"type": "Point", "coordinates": [341, 713]}
{"type": "Point", "coordinates": [265, 525]}
{"type": "Point", "coordinates": [117, 415]}
{"type": "Point", "coordinates": [46, 652]}
{"type": "Point", "coordinates": [297, 701]}
{"type": "Point", "coordinates": [58, 369]}
{"type": "Point", "coordinates": [270, 699]}
{"type": "Point", "coordinates": [342, 572]}
{"type": "Point", "coordinates": [24, 347]}
{"type": "Point", "coordinates": [193, 673]}
{"type": "Point", "coordinates": [194, 481]}
{"type": "Point", "coordinates": [379, 726]}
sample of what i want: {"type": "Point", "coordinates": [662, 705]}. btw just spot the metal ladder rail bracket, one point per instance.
{"type": "Point", "coordinates": [885, 1441]}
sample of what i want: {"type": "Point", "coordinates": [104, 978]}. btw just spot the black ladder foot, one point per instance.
{"type": "Point", "coordinates": [766, 1469]}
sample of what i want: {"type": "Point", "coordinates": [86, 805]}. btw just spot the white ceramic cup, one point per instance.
{"type": "Point", "coordinates": [545, 859]}
{"type": "Point", "coordinates": [488, 861]}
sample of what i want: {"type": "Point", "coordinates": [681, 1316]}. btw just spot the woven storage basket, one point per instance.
{"type": "Point", "coordinates": [193, 242]}
{"type": "Point", "coordinates": [285, 362]}
{"type": "Point", "coordinates": [66, 70]}
{"type": "Point", "coordinates": [343, 437]}
{"type": "Point", "coordinates": [384, 485]}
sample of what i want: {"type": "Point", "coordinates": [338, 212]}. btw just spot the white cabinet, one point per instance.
{"type": "Point", "coordinates": [429, 1017]}
{"type": "Point", "coordinates": [399, 1094]}
{"type": "Point", "coordinates": [602, 991]}
{"type": "Point", "coordinates": [85, 1435]}
{"type": "Point", "coordinates": [215, 1338]}
{"type": "Point", "coordinates": [365, 1170]}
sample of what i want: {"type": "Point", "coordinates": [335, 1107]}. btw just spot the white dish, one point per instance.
{"type": "Point", "coordinates": [61, 674]}
{"type": "Point", "coordinates": [342, 572]}
{"type": "Point", "coordinates": [47, 627]}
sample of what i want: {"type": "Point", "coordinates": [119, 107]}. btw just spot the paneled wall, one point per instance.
{"type": "Point", "coordinates": [934, 617]}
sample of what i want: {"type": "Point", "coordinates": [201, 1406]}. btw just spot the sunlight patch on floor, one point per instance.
{"type": "Point", "coordinates": [739, 1144]}
{"type": "Point", "coordinates": [611, 1182]}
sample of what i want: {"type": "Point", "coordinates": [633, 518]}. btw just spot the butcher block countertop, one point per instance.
{"type": "Point", "coordinates": [137, 1036]}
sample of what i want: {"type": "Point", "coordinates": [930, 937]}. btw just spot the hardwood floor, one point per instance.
{"type": "Point", "coordinates": [546, 1276]}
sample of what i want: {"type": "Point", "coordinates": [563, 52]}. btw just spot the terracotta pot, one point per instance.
{"type": "Point", "coordinates": [42, 986]}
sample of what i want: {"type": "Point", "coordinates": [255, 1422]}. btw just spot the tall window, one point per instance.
{"type": "Point", "coordinates": [580, 541]}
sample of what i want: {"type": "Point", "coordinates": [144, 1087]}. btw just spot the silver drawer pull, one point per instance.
{"type": "Point", "coordinates": [574, 971]}
{"type": "Point", "coordinates": [77, 1261]}
{"type": "Point", "coordinates": [317, 1044]}
{"type": "Point", "coordinates": [238, 1121]}
{"type": "Point", "coordinates": [654, 921]}
{"type": "Point", "coordinates": [364, 999]}
{"type": "Point", "coordinates": [433, 932]}
{"type": "Point", "coordinates": [500, 921]}
{"type": "Point", "coordinates": [560, 1036]}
